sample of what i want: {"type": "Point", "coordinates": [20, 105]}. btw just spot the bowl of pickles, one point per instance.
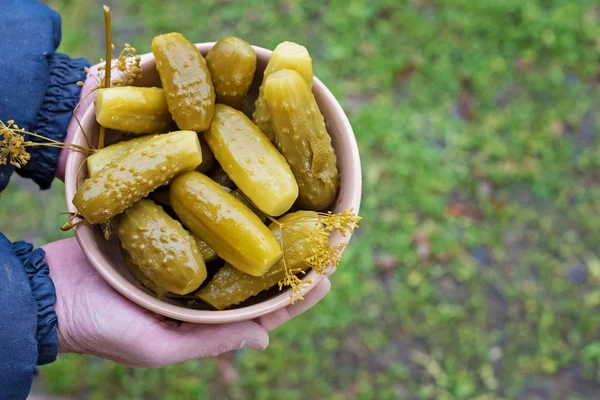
{"type": "Point", "coordinates": [218, 182]}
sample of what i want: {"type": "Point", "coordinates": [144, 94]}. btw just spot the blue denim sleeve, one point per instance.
{"type": "Point", "coordinates": [39, 86]}
{"type": "Point", "coordinates": [28, 320]}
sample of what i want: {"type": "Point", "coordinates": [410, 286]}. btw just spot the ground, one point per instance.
{"type": "Point", "coordinates": [475, 272]}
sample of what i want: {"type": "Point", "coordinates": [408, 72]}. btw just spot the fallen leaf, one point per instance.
{"type": "Point", "coordinates": [407, 71]}
{"type": "Point", "coordinates": [499, 204]}
{"type": "Point", "coordinates": [522, 65]}
{"type": "Point", "coordinates": [228, 372]}
{"type": "Point", "coordinates": [421, 240]}
{"type": "Point", "coordinates": [465, 107]}
{"type": "Point", "coordinates": [457, 210]}
{"type": "Point", "coordinates": [446, 257]}
{"type": "Point", "coordinates": [464, 210]}
{"type": "Point", "coordinates": [368, 48]}
{"type": "Point", "coordinates": [558, 128]}
{"type": "Point", "coordinates": [386, 262]}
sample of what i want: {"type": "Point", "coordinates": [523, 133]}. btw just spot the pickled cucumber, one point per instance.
{"type": "Point", "coordinates": [207, 155]}
{"type": "Point", "coordinates": [161, 196]}
{"type": "Point", "coordinates": [287, 55]}
{"type": "Point", "coordinates": [186, 81]}
{"type": "Point", "coordinates": [139, 110]}
{"type": "Point", "coordinates": [231, 286]}
{"type": "Point", "coordinates": [302, 138]}
{"type": "Point", "coordinates": [131, 177]}
{"type": "Point", "coordinates": [232, 63]}
{"type": "Point", "coordinates": [143, 279]}
{"type": "Point", "coordinates": [107, 155]}
{"type": "Point", "coordinates": [208, 254]}
{"type": "Point", "coordinates": [218, 174]}
{"type": "Point", "coordinates": [164, 251]}
{"type": "Point", "coordinates": [251, 161]}
{"type": "Point", "coordinates": [224, 223]}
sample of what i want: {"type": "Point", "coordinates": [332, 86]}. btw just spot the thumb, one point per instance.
{"type": "Point", "coordinates": [170, 344]}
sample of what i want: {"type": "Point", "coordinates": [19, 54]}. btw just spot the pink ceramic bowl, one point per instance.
{"type": "Point", "coordinates": [106, 257]}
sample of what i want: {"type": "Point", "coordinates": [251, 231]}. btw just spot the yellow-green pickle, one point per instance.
{"type": "Point", "coordinates": [161, 196]}
{"type": "Point", "coordinates": [207, 155]}
{"type": "Point", "coordinates": [101, 158]}
{"type": "Point", "coordinates": [251, 161]}
{"type": "Point", "coordinates": [186, 81]}
{"type": "Point", "coordinates": [231, 286]}
{"type": "Point", "coordinates": [140, 110]}
{"type": "Point", "coordinates": [302, 138]}
{"type": "Point", "coordinates": [224, 223]}
{"type": "Point", "coordinates": [143, 279]}
{"type": "Point", "coordinates": [163, 250]}
{"type": "Point", "coordinates": [131, 177]}
{"type": "Point", "coordinates": [232, 63]}
{"type": "Point", "coordinates": [287, 55]}
{"type": "Point", "coordinates": [208, 254]}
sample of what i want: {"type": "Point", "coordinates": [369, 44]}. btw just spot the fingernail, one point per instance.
{"type": "Point", "coordinates": [253, 344]}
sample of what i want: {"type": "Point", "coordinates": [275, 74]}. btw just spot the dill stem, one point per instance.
{"type": "Point", "coordinates": [87, 140]}
{"type": "Point", "coordinates": [108, 68]}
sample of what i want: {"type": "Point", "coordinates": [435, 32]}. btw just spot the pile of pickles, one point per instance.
{"type": "Point", "coordinates": [201, 181]}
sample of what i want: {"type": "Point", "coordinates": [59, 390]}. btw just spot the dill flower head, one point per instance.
{"type": "Point", "coordinates": [12, 145]}
{"type": "Point", "coordinates": [322, 255]}
{"type": "Point", "coordinates": [128, 66]}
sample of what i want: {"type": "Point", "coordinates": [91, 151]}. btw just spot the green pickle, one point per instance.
{"type": "Point", "coordinates": [132, 176]}
{"type": "Point", "coordinates": [101, 158]}
{"type": "Point", "coordinates": [163, 250]}
{"type": "Point", "coordinates": [140, 110]}
{"type": "Point", "coordinates": [161, 196]}
{"type": "Point", "coordinates": [143, 279]}
{"type": "Point", "coordinates": [302, 138]}
{"type": "Point", "coordinates": [208, 157]}
{"type": "Point", "coordinates": [231, 286]}
{"type": "Point", "coordinates": [208, 254]}
{"type": "Point", "coordinates": [224, 223]}
{"type": "Point", "coordinates": [232, 63]}
{"type": "Point", "coordinates": [186, 81]}
{"type": "Point", "coordinates": [287, 55]}
{"type": "Point", "coordinates": [251, 161]}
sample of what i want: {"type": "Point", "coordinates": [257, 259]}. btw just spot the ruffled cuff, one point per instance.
{"type": "Point", "coordinates": [44, 294]}
{"type": "Point", "coordinates": [61, 98]}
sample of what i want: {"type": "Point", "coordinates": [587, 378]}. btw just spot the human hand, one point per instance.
{"type": "Point", "coordinates": [94, 319]}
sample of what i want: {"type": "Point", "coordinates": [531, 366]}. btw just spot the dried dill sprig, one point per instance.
{"type": "Point", "coordinates": [324, 256]}
{"type": "Point", "coordinates": [126, 65]}
{"type": "Point", "coordinates": [13, 144]}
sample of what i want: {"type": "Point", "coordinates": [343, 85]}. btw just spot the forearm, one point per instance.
{"type": "Point", "coordinates": [39, 86]}
{"type": "Point", "coordinates": [27, 317]}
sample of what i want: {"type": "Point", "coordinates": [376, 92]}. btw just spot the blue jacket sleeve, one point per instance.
{"type": "Point", "coordinates": [39, 86]}
{"type": "Point", "coordinates": [27, 317]}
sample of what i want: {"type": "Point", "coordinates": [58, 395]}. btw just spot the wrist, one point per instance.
{"type": "Point", "coordinates": [67, 334]}
{"type": "Point", "coordinates": [44, 294]}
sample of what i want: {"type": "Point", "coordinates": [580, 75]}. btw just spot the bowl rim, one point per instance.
{"type": "Point", "coordinates": [84, 233]}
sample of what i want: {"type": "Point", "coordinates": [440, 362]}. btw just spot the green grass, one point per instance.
{"type": "Point", "coordinates": [475, 272]}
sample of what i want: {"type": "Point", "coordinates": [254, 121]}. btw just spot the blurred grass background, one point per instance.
{"type": "Point", "coordinates": [475, 272]}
